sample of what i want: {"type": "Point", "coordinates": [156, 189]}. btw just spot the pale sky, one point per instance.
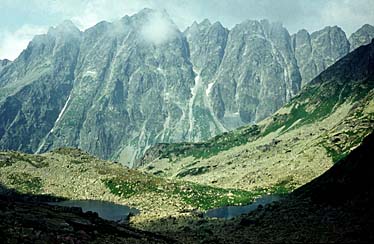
{"type": "Point", "coordinates": [20, 20]}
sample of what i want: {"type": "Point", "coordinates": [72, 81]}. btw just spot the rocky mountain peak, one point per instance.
{"type": "Point", "coordinates": [194, 26]}
{"type": "Point", "coordinates": [148, 14]}
{"type": "Point", "coordinates": [118, 88]}
{"type": "Point", "coordinates": [328, 32]}
{"type": "Point", "coordinates": [66, 28]}
{"type": "Point", "coordinates": [4, 62]}
{"type": "Point", "coordinates": [262, 27]}
{"type": "Point", "coordinates": [205, 23]}
{"type": "Point", "coordinates": [357, 66]}
{"type": "Point", "coordinates": [302, 36]}
{"type": "Point", "coordinates": [217, 25]}
{"type": "Point", "coordinates": [155, 27]}
{"type": "Point", "coordinates": [317, 51]}
{"type": "Point", "coordinates": [249, 27]}
{"type": "Point", "coordinates": [67, 25]}
{"type": "Point", "coordinates": [197, 28]}
{"type": "Point", "coordinates": [331, 41]}
{"type": "Point", "coordinates": [251, 46]}
{"type": "Point", "coordinates": [362, 36]}
{"type": "Point", "coordinates": [207, 43]}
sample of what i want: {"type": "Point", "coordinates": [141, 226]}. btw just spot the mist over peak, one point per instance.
{"type": "Point", "coordinates": [158, 28]}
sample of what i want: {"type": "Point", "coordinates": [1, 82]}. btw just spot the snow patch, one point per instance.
{"type": "Point", "coordinates": [194, 90]}
{"type": "Point", "coordinates": [61, 113]}
{"type": "Point", "coordinates": [54, 125]}
{"type": "Point", "coordinates": [91, 73]}
{"type": "Point", "coordinates": [161, 70]}
{"type": "Point", "coordinates": [209, 89]}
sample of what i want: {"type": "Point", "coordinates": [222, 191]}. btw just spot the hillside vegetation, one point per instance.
{"type": "Point", "coordinates": [299, 142]}
{"type": "Point", "coordinates": [68, 173]}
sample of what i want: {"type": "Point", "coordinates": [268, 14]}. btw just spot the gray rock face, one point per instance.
{"type": "Point", "coordinates": [362, 36]}
{"type": "Point", "coordinates": [258, 73]}
{"type": "Point", "coordinates": [129, 92]}
{"type": "Point", "coordinates": [118, 88]}
{"type": "Point", "coordinates": [4, 62]}
{"type": "Point", "coordinates": [317, 51]}
{"type": "Point", "coordinates": [207, 45]}
{"type": "Point", "coordinates": [35, 86]}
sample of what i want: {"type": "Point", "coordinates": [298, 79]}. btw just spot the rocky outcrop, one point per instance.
{"type": "Point", "coordinates": [35, 86]}
{"type": "Point", "coordinates": [258, 73]}
{"type": "Point", "coordinates": [207, 44]}
{"type": "Point", "coordinates": [4, 62]}
{"type": "Point", "coordinates": [317, 51]}
{"type": "Point", "coordinates": [362, 36]}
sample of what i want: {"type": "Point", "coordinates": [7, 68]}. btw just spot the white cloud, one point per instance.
{"type": "Point", "coordinates": [350, 15]}
{"type": "Point", "coordinates": [13, 43]}
{"type": "Point", "coordinates": [158, 29]}
{"type": "Point", "coordinates": [94, 12]}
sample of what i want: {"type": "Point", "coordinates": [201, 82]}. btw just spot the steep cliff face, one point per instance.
{"type": "Point", "coordinates": [35, 86]}
{"type": "Point", "coordinates": [258, 73]}
{"type": "Point", "coordinates": [317, 51]}
{"type": "Point", "coordinates": [131, 90]}
{"type": "Point", "coordinates": [118, 88]}
{"type": "Point", "coordinates": [318, 127]}
{"type": "Point", "coordinates": [111, 90]}
{"type": "Point", "coordinates": [362, 36]}
{"type": "Point", "coordinates": [207, 44]}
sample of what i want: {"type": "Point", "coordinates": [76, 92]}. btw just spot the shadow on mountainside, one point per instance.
{"type": "Point", "coordinates": [13, 195]}
{"type": "Point", "coordinates": [336, 207]}
{"type": "Point", "coordinates": [24, 219]}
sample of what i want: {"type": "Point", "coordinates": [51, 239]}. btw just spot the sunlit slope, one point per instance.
{"type": "Point", "coordinates": [303, 139]}
{"type": "Point", "coordinates": [73, 174]}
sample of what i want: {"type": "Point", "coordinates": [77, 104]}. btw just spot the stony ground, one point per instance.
{"type": "Point", "coordinates": [336, 207]}
{"type": "Point", "coordinates": [73, 174]}
{"type": "Point", "coordinates": [31, 222]}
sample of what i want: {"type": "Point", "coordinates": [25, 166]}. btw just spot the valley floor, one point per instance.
{"type": "Point", "coordinates": [337, 207]}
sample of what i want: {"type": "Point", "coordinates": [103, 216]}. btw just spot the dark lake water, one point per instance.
{"type": "Point", "coordinates": [106, 210]}
{"type": "Point", "coordinates": [229, 212]}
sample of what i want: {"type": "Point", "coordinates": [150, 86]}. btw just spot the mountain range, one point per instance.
{"type": "Point", "coordinates": [318, 127]}
{"type": "Point", "coordinates": [293, 120]}
{"type": "Point", "coordinates": [118, 88]}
